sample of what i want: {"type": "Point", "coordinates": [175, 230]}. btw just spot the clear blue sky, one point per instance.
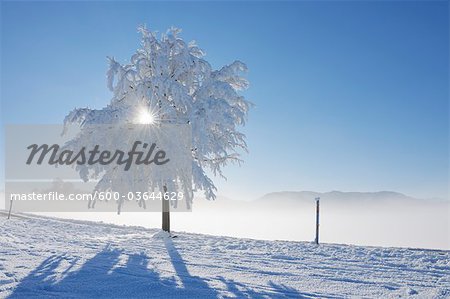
{"type": "Point", "coordinates": [349, 96]}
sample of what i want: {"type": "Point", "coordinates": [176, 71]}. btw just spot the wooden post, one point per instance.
{"type": "Point", "coordinates": [10, 207]}
{"type": "Point", "coordinates": [165, 213]}
{"type": "Point", "coordinates": [317, 220]}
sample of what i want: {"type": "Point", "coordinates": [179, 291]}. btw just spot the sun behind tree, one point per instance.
{"type": "Point", "coordinates": [168, 81]}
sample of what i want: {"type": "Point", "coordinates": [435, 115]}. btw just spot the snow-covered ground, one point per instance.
{"type": "Point", "coordinates": [50, 258]}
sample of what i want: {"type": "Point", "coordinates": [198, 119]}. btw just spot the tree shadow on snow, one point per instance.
{"type": "Point", "coordinates": [103, 276]}
{"type": "Point", "coordinates": [107, 275]}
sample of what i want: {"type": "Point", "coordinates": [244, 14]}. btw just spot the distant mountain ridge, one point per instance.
{"type": "Point", "coordinates": [335, 196]}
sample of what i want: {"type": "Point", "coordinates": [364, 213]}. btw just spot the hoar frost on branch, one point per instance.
{"type": "Point", "coordinates": [171, 80]}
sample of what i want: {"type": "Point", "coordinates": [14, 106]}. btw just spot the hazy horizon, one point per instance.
{"type": "Point", "coordinates": [407, 222]}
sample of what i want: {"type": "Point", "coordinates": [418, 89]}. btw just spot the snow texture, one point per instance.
{"type": "Point", "coordinates": [53, 258]}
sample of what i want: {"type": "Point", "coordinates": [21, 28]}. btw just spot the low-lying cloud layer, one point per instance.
{"type": "Point", "coordinates": [378, 219]}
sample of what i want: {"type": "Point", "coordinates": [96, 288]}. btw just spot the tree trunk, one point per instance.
{"type": "Point", "coordinates": [165, 213]}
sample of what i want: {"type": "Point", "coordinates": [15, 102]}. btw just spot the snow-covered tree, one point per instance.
{"type": "Point", "coordinates": [168, 81]}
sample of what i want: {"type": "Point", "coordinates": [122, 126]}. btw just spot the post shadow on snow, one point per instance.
{"type": "Point", "coordinates": [105, 276]}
